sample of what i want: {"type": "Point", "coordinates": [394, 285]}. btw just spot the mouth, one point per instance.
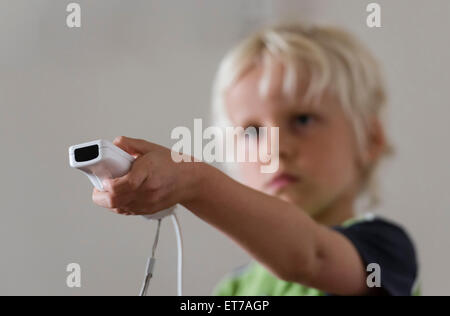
{"type": "Point", "coordinates": [282, 180]}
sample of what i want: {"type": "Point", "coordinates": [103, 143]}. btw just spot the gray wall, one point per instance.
{"type": "Point", "coordinates": [141, 68]}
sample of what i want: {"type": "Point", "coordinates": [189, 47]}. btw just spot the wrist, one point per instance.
{"type": "Point", "coordinates": [196, 176]}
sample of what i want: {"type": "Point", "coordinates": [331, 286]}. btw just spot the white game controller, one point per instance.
{"type": "Point", "coordinates": [101, 159]}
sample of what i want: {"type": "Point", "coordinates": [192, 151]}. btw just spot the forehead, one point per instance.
{"type": "Point", "coordinates": [255, 85]}
{"type": "Point", "coordinates": [257, 93]}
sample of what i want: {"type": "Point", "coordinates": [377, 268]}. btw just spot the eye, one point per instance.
{"type": "Point", "coordinates": [252, 131]}
{"type": "Point", "coordinates": [303, 119]}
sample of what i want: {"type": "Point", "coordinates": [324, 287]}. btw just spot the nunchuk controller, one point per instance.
{"type": "Point", "coordinates": [101, 159]}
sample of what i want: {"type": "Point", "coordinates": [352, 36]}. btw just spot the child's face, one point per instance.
{"type": "Point", "coordinates": [317, 146]}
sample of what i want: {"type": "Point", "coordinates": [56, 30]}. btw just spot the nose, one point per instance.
{"type": "Point", "coordinates": [287, 143]}
{"type": "Point", "coordinates": [288, 146]}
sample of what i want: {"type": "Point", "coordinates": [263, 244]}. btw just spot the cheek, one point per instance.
{"type": "Point", "coordinates": [332, 164]}
{"type": "Point", "coordinates": [251, 174]}
{"type": "Point", "coordinates": [250, 170]}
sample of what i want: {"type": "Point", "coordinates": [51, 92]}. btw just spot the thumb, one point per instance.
{"type": "Point", "coordinates": [133, 146]}
{"type": "Point", "coordinates": [131, 181]}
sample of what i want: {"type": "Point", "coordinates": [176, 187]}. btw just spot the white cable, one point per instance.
{"type": "Point", "coordinates": [151, 260]}
{"type": "Point", "coordinates": [150, 263]}
{"type": "Point", "coordinates": [176, 225]}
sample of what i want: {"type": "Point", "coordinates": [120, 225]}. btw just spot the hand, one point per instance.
{"type": "Point", "coordinates": [155, 182]}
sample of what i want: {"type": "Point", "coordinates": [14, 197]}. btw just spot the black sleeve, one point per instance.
{"type": "Point", "coordinates": [387, 244]}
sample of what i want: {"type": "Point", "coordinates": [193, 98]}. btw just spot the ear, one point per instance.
{"type": "Point", "coordinates": [376, 143]}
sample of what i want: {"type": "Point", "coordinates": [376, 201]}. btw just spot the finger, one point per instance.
{"type": "Point", "coordinates": [101, 198]}
{"type": "Point", "coordinates": [133, 146]}
{"type": "Point", "coordinates": [110, 200]}
{"type": "Point", "coordinates": [120, 211]}
{"type": "Point", "coordinates": [116, 210]}
{"type": "Point", "coordinates": [130, 182]}
{"type": "Point", "coordinates": [138, 208]}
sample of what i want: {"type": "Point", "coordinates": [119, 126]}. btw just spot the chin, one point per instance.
{"type": "Point", "coordinates": [307, 206]}
{"type": "Point", "coordinates": [292, 195]}
{"type": "Point", "coordinates": [289, 197]}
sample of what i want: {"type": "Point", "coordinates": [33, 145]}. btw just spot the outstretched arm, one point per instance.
{"type": "Point", "coordinates": [279, 235]}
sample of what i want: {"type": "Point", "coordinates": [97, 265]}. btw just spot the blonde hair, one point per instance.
{"type": "Point", "coordinates": [323, 59]}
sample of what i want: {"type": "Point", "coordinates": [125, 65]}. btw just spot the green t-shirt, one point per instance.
{"type": "Point", "coordinates": [377, 241]}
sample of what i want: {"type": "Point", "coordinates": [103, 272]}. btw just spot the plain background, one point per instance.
{"type": "Point", "coordinates": [141, 68]}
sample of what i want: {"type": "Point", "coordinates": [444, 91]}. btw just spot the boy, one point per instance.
{"type": "Point", "coordinates": [323, 91]}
